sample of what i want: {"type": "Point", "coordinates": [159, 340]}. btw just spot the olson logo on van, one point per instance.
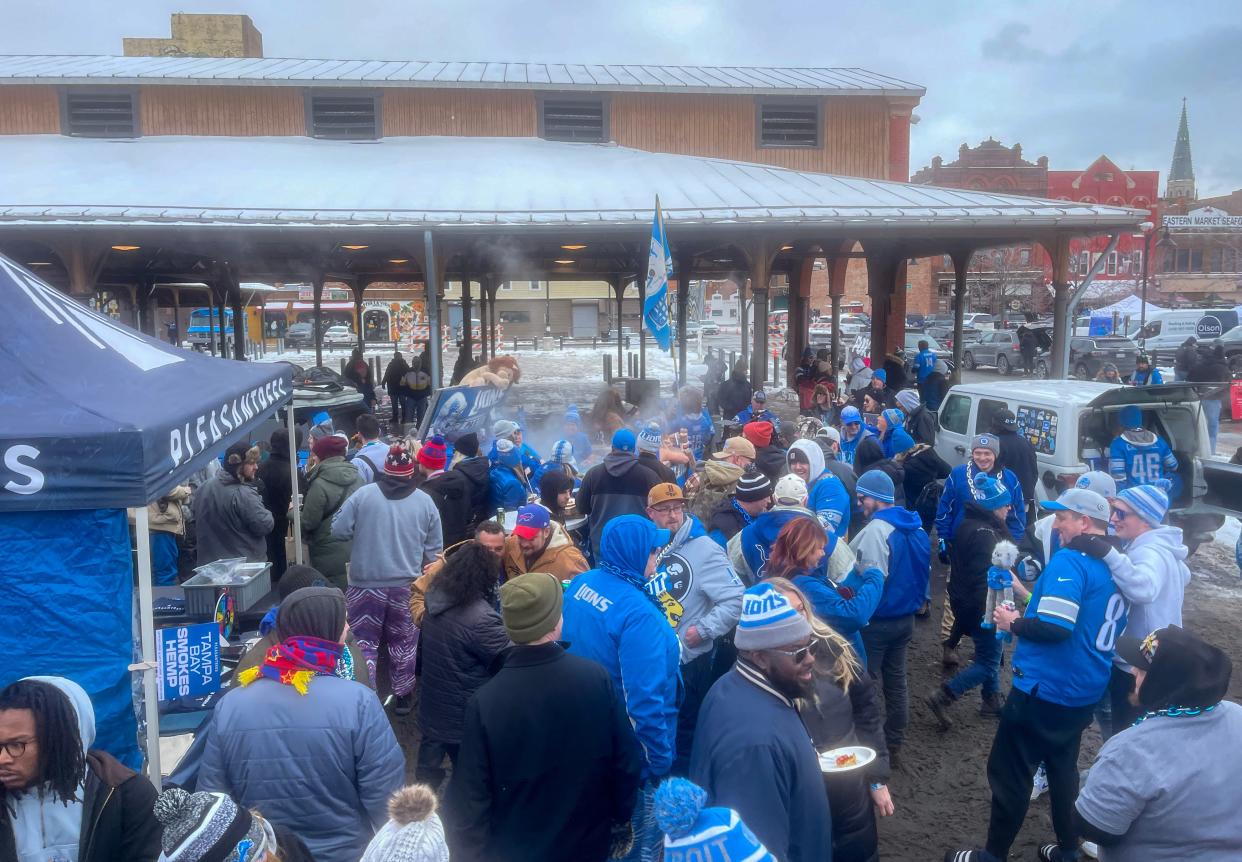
{"type": "Point", "coordinates": [1209, 326]}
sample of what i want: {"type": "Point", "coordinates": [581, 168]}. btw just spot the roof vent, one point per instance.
{"type": "Point", "coordinates": [343, 116]}
{"type": "Point", "coordinates": [570, 119]}
{"type": "Point", "coordinates": [99, 114]}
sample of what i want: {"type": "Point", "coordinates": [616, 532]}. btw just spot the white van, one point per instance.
{"type": "Point", "coordinates": [1167, 330]}
{"type": "Point", "coordinates": [1071, 424]}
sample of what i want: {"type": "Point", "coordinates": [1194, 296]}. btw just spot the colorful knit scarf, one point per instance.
{"type": "Point", "coordinates": [295, 661]}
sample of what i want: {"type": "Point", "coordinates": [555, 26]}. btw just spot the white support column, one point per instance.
{"type": "Point", "coordinates": [146, 624]}
{"type": "Point", "coordinates": [293, 478]}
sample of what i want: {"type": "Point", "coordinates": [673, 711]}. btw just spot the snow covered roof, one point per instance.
{"type": "Point", "coordinates": [459, 182]}
{"type": "Point", "coordinates": [275, 71]}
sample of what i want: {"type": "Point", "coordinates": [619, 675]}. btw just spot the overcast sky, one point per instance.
{"type": "Point", "coordinates": [1065, 78]}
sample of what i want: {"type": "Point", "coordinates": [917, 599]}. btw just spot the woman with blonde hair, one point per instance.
{"type": "Point", "coordinates": [845, 710]}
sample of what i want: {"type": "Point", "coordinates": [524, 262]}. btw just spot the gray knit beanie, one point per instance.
{"type": "Point", "coordinates": [413, 832]}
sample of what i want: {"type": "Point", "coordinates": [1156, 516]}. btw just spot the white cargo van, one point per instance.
{"type": "Point", "coordinates": [1167, 330]}
{"type": "Point", "coordinates": [1071, 424]}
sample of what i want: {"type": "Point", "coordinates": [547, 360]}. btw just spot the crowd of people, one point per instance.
{"type": "Point", "coordinates": [686, 616]}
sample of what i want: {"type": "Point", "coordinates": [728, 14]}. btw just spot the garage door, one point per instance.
{"type": "Point", "coordinates": [586, 320]}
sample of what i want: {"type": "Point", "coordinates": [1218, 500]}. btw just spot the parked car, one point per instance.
{"type": "Point", "coordinates": [339, 336]}
{"type": "Point", "coordinates": [915, 321]}
{"type": "Point", "coordinates": [997, 347]}
{"type": "Point", "coordinates": [709, 327]}
{"type": "Point", "coordinates": [1088, 355]}
{"type": "Point", "coordinates": [978, 320]}
{"type": "Point", "coordinates": [1071, 424]}
{"type": "Point", "coordinates": [300, 335]}
{"type": "Point", "coordinates": [944, 334]}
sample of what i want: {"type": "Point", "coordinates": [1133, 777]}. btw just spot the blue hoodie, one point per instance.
{"type": "Point", "coordinates": [826, 496]}
{"type": "Point", "coordinates": [895, 542]}
{"type": "Point", "coordinates": [699, 430]}
{"type": "Point", "coordinates": [757, 538]}
{"type": "Point", "coordinates": [847, 616]}
{"type": "Point", "coordinates": [612, 620]}
{"type": "Point", "coordinates": [896, 441]}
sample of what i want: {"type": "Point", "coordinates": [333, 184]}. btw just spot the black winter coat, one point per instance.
{"type": "Point", "coordinates": [451, 492]}
{"type": "Point", "coordinates": [1017, 453]}
{"type": "Point", "coordinates": [835, 719]}
{"type": "Point", "coordinates": [655, 465]}
{"type": "Point", "coordinates": [118, 820]}
{"type": "Point", "coordinates": [971, 557]}
{"type": "Point", "coordinates": [869, 456]}
{"type": "Point", "coordinates": [1209, 369]}
{"type": "Point", "coordinates": [548, 763]}
{"type": "Point", "coordinates": [772, 462]}
{"type": "Point", "coordinates": [733, 396]}
{"type": "Point", "coordinates": [457, 647]}
{"type": "Point", "coordinates": [921, 426]}
{"type": "Point", "coordinates": [476, 471]}
{"type": "Point", "coordinates": [920, 467]}
{"type": "Point", "coordinates": [616, 486]}
{"type": "Point", "coordinates": [1185, 358]}
{"type": "Point", "coordinates": [725, 518]}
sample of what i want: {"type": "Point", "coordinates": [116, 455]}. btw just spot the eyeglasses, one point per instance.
{"type": "Point", "coordinates": [15, 748]}
{"type": "Point", "coordinates": [796, 654]}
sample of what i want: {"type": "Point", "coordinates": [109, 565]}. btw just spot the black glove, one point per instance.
{"type": "Point", "coordinates": [1096, 547]}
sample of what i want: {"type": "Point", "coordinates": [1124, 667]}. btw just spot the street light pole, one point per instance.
{"type": "Point", "coordinates": [1147, 228]}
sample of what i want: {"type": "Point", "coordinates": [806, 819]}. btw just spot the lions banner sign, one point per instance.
{"type": "Point", "coordinates": [460, 410]}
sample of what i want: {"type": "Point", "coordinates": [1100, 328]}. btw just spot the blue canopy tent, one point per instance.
{"type": "Point", "coordinates": [96, 418]}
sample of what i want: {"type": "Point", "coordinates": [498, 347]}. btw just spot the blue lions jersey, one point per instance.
{"type": "Point", "coordinates": [1131, 464]}
{"type": "Point", "coordinates": [1075, 592]}
{"type": "Point", "coordinates": [924, 364]}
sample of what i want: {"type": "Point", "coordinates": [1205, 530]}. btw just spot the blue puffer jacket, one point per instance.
{"type": "Point", "coordinates": [505, 489]}
{"type": "Point", "coordinates": [321, 764]}
{"type": "Point", "coordinates": [611, 620]}
{"type": "Point", "coordinates": [957, 490]}
{"type": "Point", "coordinates": [827, 496]}
{"type": "Point", "coordinates": [528, 457]}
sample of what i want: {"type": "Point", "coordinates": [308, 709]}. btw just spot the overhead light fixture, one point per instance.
{"type": "Point", "coordinates": [399, 260]}
{"type": "Point", "coordinates": [126, 247]}
{"type": "Point", "coordinates": [573, 247]}
{"type": "Point", "coordinates": [563, 262]}
{"type": "Point", "coordinates": [354, 247]}
{"type": "Point", "coordinates": [787, 248]}
{"type": "Point", "coordinates": [39, 263]}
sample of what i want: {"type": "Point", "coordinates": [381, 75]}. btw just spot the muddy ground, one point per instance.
{"type": "Point", "coordinates": [941, 790]}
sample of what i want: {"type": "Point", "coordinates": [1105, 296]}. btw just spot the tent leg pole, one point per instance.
{"type": "Point", "coordinates": [146, 617]}
{"type": "Point", "coordinates": [293, 474]}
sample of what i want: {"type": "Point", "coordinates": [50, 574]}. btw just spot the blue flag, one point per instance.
{"type": "Point", "coordinates": [659, 269]}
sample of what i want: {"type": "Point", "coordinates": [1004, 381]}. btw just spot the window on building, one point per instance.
{"type": "Point", "coordinates": [1111, 266]}
{"type": "Point", "coordinates": [1136, 262]}
{"type": "Point", "coordinates": [789, 123]}
{"type": "Point", "coordinates": [944, 289]}
{"type": "Point", "coordinates": [1024, 257]}
{"type": "Point", "coordinates": [99, 114]}
{"type": "Point", "coordinates": [1084, 263]}
{"type": "Point", "coordinates": [582, 119]}
{"type": "Point", "coordinates": [1224, 259]}
{"type": "Point", "coordinates": [343, 115]}
{"type": "Point", "coordinates": [1073, 264]}
{"type": "Point", "coordinates": [947, 262]}
{"type": "Point", "coordinates": [1104, 177]}
{"type": "Point", "coordinates": [534, 285]}
{"type": "Point", "coordinates": [515, 317]}
{"type": "Point", "coordinates": [1183, 260]}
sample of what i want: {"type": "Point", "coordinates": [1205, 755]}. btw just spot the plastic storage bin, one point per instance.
{"type": "Point", "coordinates": [247, 582]}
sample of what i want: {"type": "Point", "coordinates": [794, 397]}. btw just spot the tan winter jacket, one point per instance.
{"type": "Point", "coordinates": [718, 480]}
{"type": "Point", "coordinates": [561, 557]}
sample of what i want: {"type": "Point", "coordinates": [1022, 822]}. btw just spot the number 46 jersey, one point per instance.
{"type": "Point", "coordinates": [1139, 457]}
{"type": "Point", "coordinates": [1075, 592]}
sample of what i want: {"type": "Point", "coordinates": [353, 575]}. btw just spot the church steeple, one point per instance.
{"type": "Point", "coordinates": [1182, 174]}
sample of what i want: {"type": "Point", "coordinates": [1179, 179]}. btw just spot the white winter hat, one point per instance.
{"type": "Point", "coordinates": [790, 491]}
{"type": "Point", "coordinates": [413, 832]}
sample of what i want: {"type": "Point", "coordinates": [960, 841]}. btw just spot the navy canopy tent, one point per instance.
{"type": "Point", "coordinates": [96, 418]}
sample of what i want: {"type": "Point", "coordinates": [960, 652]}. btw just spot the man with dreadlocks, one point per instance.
{"type": "Point", "coordinates": [60, 799]}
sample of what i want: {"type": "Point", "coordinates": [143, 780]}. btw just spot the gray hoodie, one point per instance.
{"type": "Point", "coordinates": [695, 575]}
{"type": "Point", "coordinates": [1152, 575]}
{"type": "Point", "coordinates": [395, 533]}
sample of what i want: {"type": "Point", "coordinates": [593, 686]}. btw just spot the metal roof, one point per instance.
{"type": "Point", "coordinates": [274, 71]}
{"type": "Point", "coordinates": [461, 182]}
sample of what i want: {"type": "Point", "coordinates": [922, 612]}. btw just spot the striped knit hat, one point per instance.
{"type": "Point", "coordinates": [753, 487]}
{"type": "Point", "coordinates": [649, 438]}
{"type": "Point", "coordinates": [693, 832]}
{"type": "Point", "coordinates": [1149, 502]}
{"type": "Point", "coordinates": [894, 417]}
{"type": "Point", "coordinates": [399, 462]}
{"type": "Point", "coordinates": [563, 453]}
{"type": "Point", "coordinates": [434, 453]}
{"type": "Point", "coordinates": [768, 620]}
{"type": "Point", "coordinates": [990, 493]}
{"type": "Point", "coordinates": [210, 827]}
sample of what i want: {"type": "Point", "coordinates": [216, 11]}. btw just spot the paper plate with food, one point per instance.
{"type": "Point", "coordinates": [846, 759]}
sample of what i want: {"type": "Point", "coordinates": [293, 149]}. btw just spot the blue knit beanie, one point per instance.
{"type": "Point", "coordinates": [1149, 502]}
{"type": "Point", "coordinates": [695, 832]}
{"type": "Point", "coordinates": [877, 485]}
{"type": "Point", "coordinates": [571, 414]}
{"type": "Point", "coordinates": [990, 493]}
{"type": "Point", "coordinates": [894, 417]}
{"type": "Point", "coordinates": [881, 375]}
{"type": "Point", "coordinates": [562, 452]}
{"type": "Point", "coordinates": [649, 438]}
{"type": "Point", "coordinates": [623, 440]}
